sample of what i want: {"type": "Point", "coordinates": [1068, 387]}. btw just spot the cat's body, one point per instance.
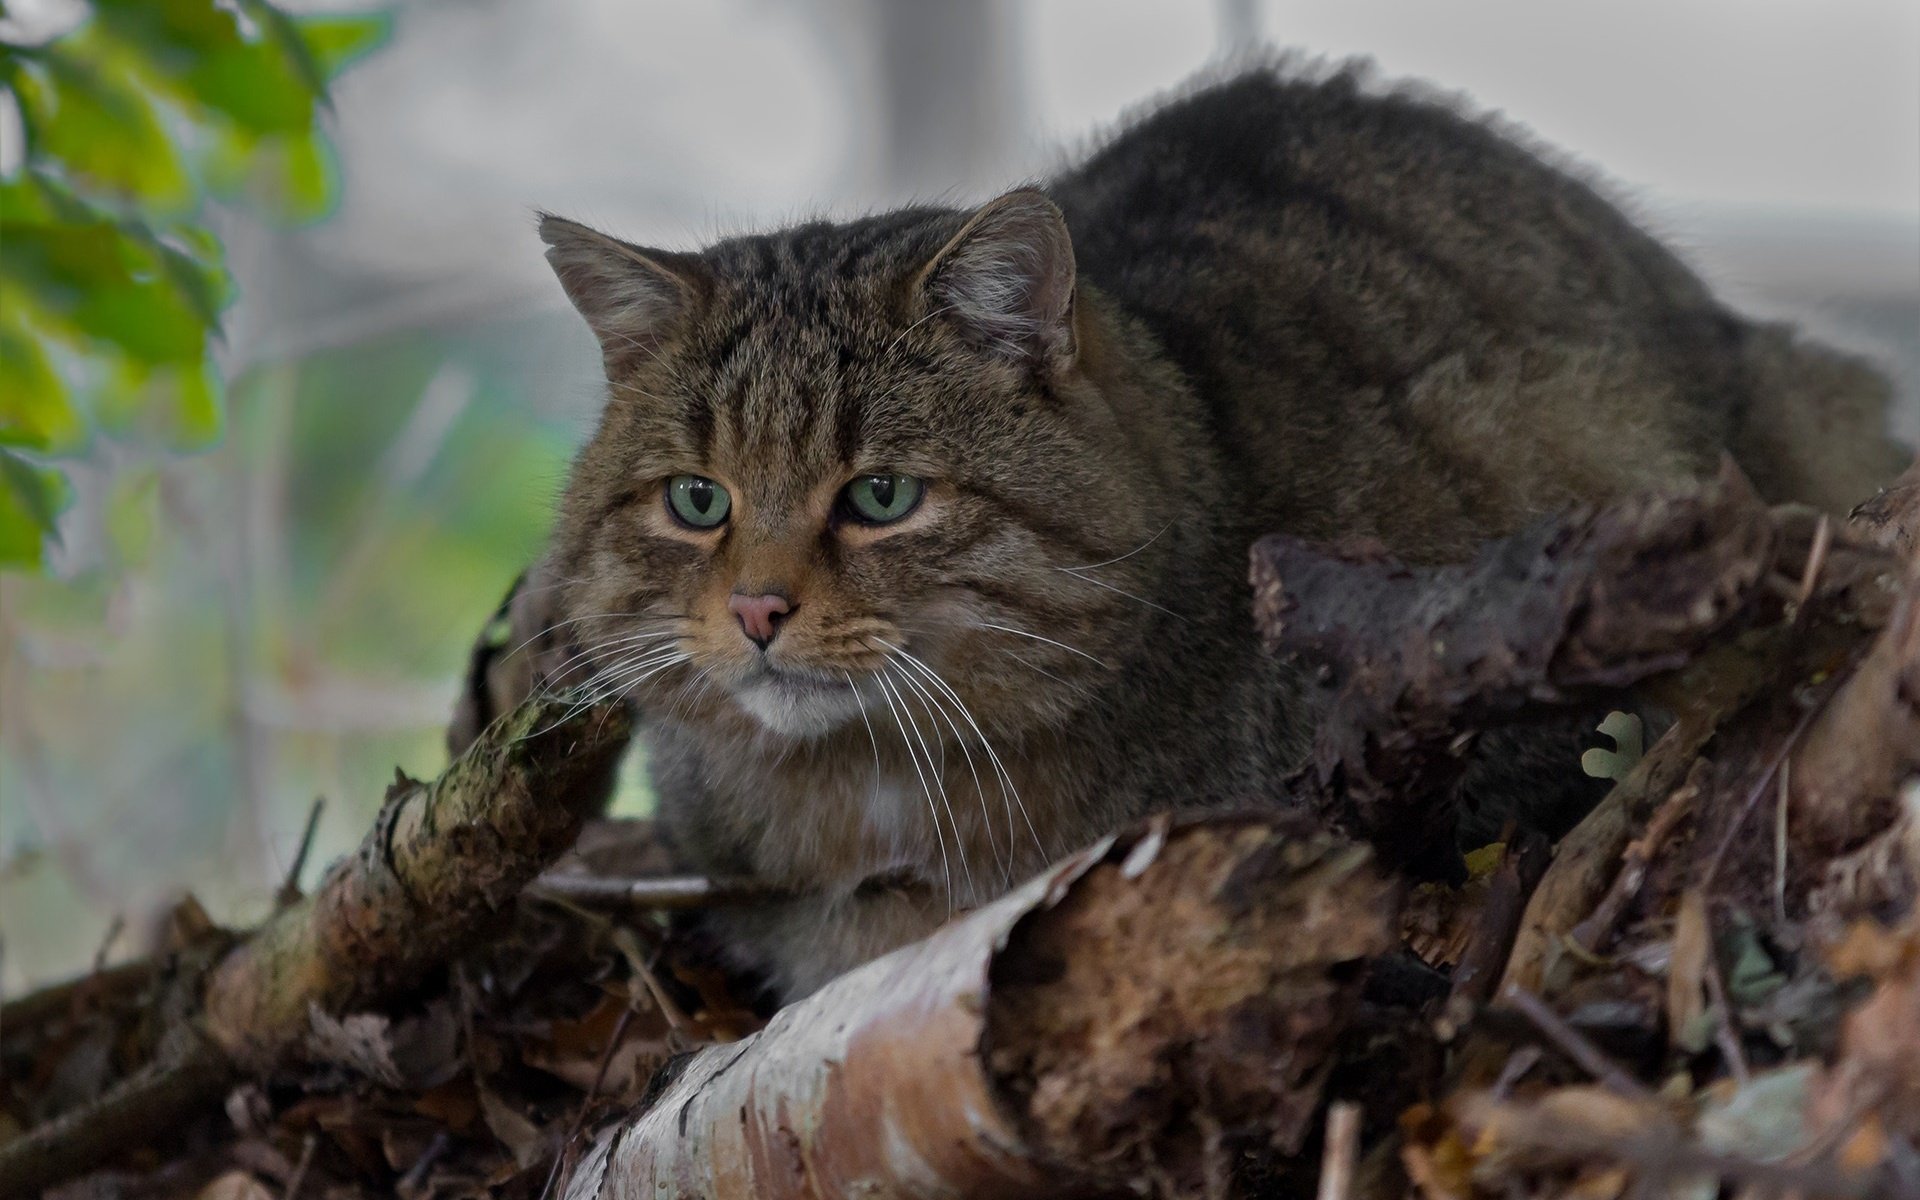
{"type": "Point", "coordinates": [1296, 307]}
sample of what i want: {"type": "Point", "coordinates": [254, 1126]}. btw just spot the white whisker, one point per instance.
{"type": "Point", "coordinates": [1005, 779]}
{"type": "Point", "coordinates": [1119, 558]}
{"type": "Point", "coordinates": [960, 844]}
{"type": "Point", "coordinates": [1124, 592]}
{"type": "Point", "coordinates": [946, 868]}
{"type": "Point", "coordinates": [934, 707]}
{"type": "Point", "coordinates": [1049, 641]}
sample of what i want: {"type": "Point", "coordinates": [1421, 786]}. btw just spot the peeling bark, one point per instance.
{"type": "Point", "coordinates": [1420, 657]}
{"type": "Point", "coordinates": [1845, 773]}
{"type": "Point", "coordinates": [1157, 1006]}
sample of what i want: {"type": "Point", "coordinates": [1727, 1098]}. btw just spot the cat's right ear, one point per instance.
{"type": "Point", "coordinates": [634, 300]}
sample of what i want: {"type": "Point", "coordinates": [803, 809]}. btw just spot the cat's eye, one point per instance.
{"type": "Point", "coordinates": [698, 501]}
{"type": "Point", "coordinates": [881, 499]}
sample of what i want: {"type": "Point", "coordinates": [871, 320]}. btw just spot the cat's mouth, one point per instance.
{"type": "Point", "coordinates": [798, 703]}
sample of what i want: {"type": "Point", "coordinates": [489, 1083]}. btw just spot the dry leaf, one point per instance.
{"type": "Point", "coordinates": [235, 1185]}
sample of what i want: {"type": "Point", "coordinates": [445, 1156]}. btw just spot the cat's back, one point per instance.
{"type": "Point", "coordinates": [1373, 294]}
{"type": "Point", "coordinates": [1391, 190]}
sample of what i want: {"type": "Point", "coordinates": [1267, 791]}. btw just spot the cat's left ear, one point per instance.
{"type": "Point", "coordinates": [1007, 280]}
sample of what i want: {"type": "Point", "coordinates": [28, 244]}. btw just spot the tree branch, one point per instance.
{"type": "Point", "coordinates": [441, 860]}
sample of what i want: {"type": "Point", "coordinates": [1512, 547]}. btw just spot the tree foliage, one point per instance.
{"type": "Point", "coordinates": [130, 124]}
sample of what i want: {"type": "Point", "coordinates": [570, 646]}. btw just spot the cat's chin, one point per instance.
{"type": "Point", "coordinates": [797, 707]}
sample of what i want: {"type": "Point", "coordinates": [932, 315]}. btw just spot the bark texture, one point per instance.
{"type": "Point", "coordinates": [1161, 1004]}
{"type": "Point", "coordinates": [441, 860]}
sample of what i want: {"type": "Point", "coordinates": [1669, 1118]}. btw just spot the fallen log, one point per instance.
{"type": "Point", "coordinates": [1419, 657]}
{"type": "Point", "coordinates": [1157, 1007]}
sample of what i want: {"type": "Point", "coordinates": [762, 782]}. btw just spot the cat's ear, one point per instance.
{"type": "Point", "coordinates": [1007, 280]}
{"type": "Point", "coordinates": [633, 299]}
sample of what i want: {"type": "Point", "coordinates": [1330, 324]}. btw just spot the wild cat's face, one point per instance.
{"type": "Point", "coordinates": [847, 472]}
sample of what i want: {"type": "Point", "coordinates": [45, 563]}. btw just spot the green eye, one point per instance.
{"type": "Point", "coordinates": [698, 501]}
{"type": "Point", "coordinates": [880, 499]}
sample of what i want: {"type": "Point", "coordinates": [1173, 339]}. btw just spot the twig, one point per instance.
{"type": "Point", "coordinates": [659, 894]}
{"type": "Point", "coordinates": [1522, 1060]}
{"type": "Point", "coordinates": [1593, 934]}
{"type": "Point", "coordinates": [1759, 787]}
{"type": "Point", "coordinates": [131, 1114]}
{"type": "Point", "coordinates": [290, 892]}
{"type": "Point", "coordinates": [1816, 559]}
{"type": "Point", "coordinates": [1499, 921]}
{"type": "Point", "coordinates": [1780, 847]}
{"type": "Point", "coordinates": [1660, 1156]}
{"type": "Point", "coordinates": [114, 929]}
{"type": "Point", "coordinates": [1574, 1044]}
{"type": "Point", "coordinates": [1724, 1034]}
{"type": "Point", "coordinates": [586, 1102]}
{"type": "Point", "coordinates": [630, 948]}
{"type": "Point", "coordinates": [1342, 1148]}
{"type": "Point", "coordinates": [307, 1147]}
{"type": "Point", "coordinates": [441, 862]}
{"type": "Point", "coordinates": [66, 998]}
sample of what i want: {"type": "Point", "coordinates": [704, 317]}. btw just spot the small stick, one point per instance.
{"type": "Point", "coordinates": [657, 893]}
{"type": "Point", "coordinates": [1816, 559]}
{"type": "Point", "coordinates": [630, 949]}
{"type": "Point", "coordinates": [112, 935]}
{"type": "Point", "coordinates": [299, 1176]}
{"type": "Point", "coordinates": [1780, 847]}
{"type": "Point", "coordinates": [1574, 1044]}
{"type": "Point", "coordinates": [1593, 934]}
{"type": "Point", "coordinates": [1518, 1064]}
{"type": "Point", "coordinates": [135, 1112]}
{"type": "Point", "coordinates": [1499, 922]}
{"type": "Point", "coordinates": [289, 893]}
{"type": "Point", "coordinates": [1724, 1033]}
{"type": "Point", "coordinates": [1341, 1149]}
{"type": "Point", "coordinates": [586, 1102]}
{"type": "Point", "coordinates": [1759, 788]}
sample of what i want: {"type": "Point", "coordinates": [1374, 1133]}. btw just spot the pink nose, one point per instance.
{"type": "Point", "coordinates": [759, 616]}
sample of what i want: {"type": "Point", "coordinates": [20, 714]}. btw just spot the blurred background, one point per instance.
{"type": "Point", "coordinates": [276, 604]}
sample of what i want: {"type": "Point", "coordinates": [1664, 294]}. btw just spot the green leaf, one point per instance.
{"type": "Point", "coordinates": [35, 411]}
{"type": "Point", "coordinates": [336, 42]}
{"type": "Point", "coordinates": [198, 51]}
{"type": "Point", "coordinates": [31, 499]}
{"type": "Point", "coordinates": [98, 283]}
{"type": "Point", "coordinates": [103, 133]}
{"type": "Point", "coordinates": [1629, 744]}
{"type": "Point", "coordinates": [176, 405]}
{"type": "Point", "coordinates": [129, 514]}
{"type": "Point", "coordinates": [292, 177]}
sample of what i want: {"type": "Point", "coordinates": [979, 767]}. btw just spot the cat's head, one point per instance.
{"type": "Point", "coordinates": [849, 472]}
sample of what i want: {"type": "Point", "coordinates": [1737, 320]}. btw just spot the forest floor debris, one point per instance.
{"type": "Point", "coordinates": [1710, 986]}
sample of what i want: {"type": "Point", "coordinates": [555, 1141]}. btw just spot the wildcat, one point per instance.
{"type": "Point", "coordinates": [920, 540]}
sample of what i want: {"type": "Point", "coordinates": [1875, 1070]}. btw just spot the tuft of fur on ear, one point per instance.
{"type": "Point", "coordinates": [1007, 280]}
{"type": "Point", "coordinates": [633, 298]}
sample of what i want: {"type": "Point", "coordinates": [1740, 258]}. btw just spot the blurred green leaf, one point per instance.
{"type": "Point", "coordinates": [31, 498]}
{"type": "Point", "coordinates": [336, 42]}
{"type": "Point", "coordinates": [292, 177]}
{"type": "Point", "coordinates": [129, 514]}
{"type": "Point", "coordinates": [110, 297]}
{"type": "Point", "coordinates": [198, 51]}
{"type": "Point", "coordinates": [95, 283]}
{"type": "Point", "coordinates": [177, 405]}
{"type": "Point", "coordinates": [36, 413]}
{"type": "Point", "coordinates": [103, 131]}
